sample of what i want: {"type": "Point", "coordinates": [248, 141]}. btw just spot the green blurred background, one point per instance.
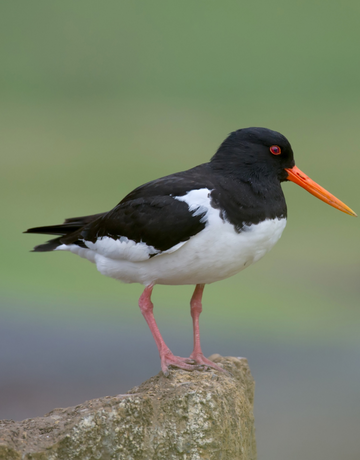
{"type": "Point", "coordinates": [99, 97]}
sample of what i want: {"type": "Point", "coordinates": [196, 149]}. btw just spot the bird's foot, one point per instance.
{"type": "Point", "coordinates": [200, 359]}
{"type": "Point", "coordinates": [168, 359]}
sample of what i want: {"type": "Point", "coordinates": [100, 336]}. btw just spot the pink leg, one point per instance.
{"type": "Point", "coordinates": [196, 309]}
{"type": "Point", "coordinates": [167, 358]}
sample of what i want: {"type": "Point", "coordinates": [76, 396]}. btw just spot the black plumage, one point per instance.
{"type": "Point", "coordinates": [244, 184]}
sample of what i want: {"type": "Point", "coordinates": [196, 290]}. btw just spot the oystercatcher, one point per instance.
{"type": "Point", "coordinates": [193, 227]}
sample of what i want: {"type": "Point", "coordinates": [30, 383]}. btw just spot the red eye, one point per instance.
{"type": "Point", "coordinates": [275, 150]}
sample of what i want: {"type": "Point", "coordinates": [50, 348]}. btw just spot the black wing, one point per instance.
{"type": "Point", "coordinates": [158, 221]}
{"type": "Point", "coordinates": [150, 214]}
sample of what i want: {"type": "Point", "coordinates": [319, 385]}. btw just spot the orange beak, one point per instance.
{"type": "Point", "coordinates": [297, 176]}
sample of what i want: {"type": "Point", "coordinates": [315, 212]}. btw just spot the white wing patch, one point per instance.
{"type": "Point", "coordinates": [122, 248]}
{"type": "Point", "coordinates": [198, 202]}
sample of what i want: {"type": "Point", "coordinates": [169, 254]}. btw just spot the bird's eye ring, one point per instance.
{"type": "Point", "coordinates": [275, 150]}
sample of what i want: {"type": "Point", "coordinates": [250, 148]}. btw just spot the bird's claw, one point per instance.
{"type": "Point", "coordinates": [196, 362]}
{"type": "Point", "coordinates": [170, 360]}
{"type": "Point", "coordinates": [206, 364]}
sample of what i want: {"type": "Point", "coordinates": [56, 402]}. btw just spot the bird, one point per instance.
{"type": "Point", "coordinates": [193, 227]}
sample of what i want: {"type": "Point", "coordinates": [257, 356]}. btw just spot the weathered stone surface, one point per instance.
{"type": "Point", "coordinates": [188, 416]}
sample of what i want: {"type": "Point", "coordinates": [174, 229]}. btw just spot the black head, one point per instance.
{"type": "Point", "coordinates": [254, 153]}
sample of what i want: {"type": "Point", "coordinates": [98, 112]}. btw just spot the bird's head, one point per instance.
{"type": "Point", "coordinates": [255, 154]}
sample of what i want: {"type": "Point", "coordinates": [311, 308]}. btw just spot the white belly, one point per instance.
{"type": "Point", "coordinates": [215, 253]}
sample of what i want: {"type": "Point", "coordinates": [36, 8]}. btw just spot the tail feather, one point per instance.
{"type": "Point", "coordinates": [50, 245]}
{"type": "Point", "coordinates": [70, 226]}
{"type": "Point", "coordinates": [62, 229]}
{"type": "Point", "coordinates": [81, 221]}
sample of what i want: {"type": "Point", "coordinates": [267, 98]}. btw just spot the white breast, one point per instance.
{"type": "Point", "coordinates": [215, 253]}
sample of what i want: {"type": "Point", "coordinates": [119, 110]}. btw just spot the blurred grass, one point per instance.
{"type": "Point", "coordinates": [99, 98]}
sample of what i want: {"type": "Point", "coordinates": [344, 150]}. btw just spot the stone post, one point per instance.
{"type": "Point", "coordinates": [188, 416]}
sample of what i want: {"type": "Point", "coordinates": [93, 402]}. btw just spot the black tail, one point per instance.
{"type": "Point", "coordinates": [70, 226]}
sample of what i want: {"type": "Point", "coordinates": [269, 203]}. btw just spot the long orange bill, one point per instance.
{"type": "Point", "coordinates": [297, 176]}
